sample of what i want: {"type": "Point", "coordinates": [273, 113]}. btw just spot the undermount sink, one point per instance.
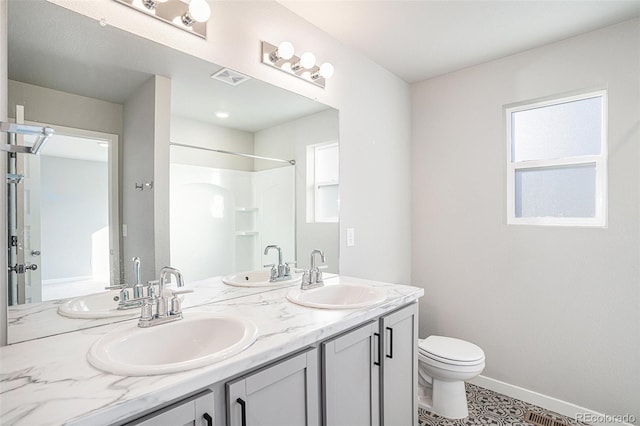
{"type": "Point", "coordinates": [258, 279]}
{"type": "Point", "coordinates": [195, 341]}
{"type": "Point", "coordinates": [93, 306]}
{"type": "Point", "coordinates": [338, 296]}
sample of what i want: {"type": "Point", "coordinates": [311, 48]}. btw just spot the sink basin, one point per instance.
{"type": "Point", "coordinates": [197, 340]}
{"type": "Point", "coordinates": [258, 279]}
{"type": "Point", "coordinates": [99, 305]}
{"type": "Point", "coordinates": [338, 296]}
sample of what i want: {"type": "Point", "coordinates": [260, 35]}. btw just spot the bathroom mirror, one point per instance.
{"type": "Point", "coordinates": [57, 54]}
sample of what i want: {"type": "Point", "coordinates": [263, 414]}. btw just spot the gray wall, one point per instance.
{"type": "Point", "coordinates": [145, 152]}
{"type": "Point", "coordinates": [556, 309]}
{"type": "Point", "coordinates": [50, 106]}
{"type": "Point", "coordinates": [289, 141]}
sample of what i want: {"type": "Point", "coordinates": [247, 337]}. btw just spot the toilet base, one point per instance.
{"type": "Point", "coordinates": [449, 399]}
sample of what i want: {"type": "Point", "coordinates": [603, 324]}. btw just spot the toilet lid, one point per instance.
{"type": "Point", "coordinates": [449, 348]}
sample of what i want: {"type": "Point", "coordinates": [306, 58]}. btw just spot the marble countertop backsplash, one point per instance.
{"type": "Point", "coordinates": [49, 381]}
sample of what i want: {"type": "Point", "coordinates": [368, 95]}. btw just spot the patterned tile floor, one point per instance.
{"type": "Point", "coordinates": [490, 408]}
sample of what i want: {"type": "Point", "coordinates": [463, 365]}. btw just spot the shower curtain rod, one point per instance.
{"type": "Point", "coordinates": [222, 151]}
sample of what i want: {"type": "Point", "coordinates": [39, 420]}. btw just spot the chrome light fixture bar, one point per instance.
{"type": "Point", "coordinates": [188, 15]}
{"type": "Point", "coordinates": [282, 57]}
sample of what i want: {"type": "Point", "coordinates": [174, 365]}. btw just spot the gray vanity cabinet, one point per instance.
{"type": "Point", "coordinates": [351, 377]}
{"type": "Point", "coordinates": [194, 411]}
{"type": "Point", "coordinates": [399, 363]}
{"type": "Point", "coordinates": [369, 373]}
{"type": "Point", "coordinates": [283, 394]}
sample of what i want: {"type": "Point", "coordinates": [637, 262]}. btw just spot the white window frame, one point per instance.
{"type": "Point", "coordinates": [313, 184]}
{"type": "Point", "coordinates": [600, 162]}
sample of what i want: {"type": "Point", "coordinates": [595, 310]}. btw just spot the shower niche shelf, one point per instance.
{"type": "Point", "coordinates": [246, 221]}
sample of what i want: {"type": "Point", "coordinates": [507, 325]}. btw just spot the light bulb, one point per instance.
{"type": "Point", "coordinates": [307, 60]}
{"type": "Point", "coordinates": [326, 70]}
{"type": "Point", "coordinates": [199, 10]}
{"type": "Point", "coordinates": [285, 50]}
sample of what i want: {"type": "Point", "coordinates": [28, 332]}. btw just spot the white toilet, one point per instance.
{"type": "Point", "coordinates": [444, 363]}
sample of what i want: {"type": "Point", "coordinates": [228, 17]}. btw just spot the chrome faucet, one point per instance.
{"type": "Point", "coordinates": [165, 310]}
{"type": "Point", "coordinates": [313, 277]}
{"type": "Point", "coordinates": [281, 271]}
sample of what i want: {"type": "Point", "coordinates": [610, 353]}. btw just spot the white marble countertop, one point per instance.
{"type": "Point", "coordinates": [49, 381]}
{"type": "Point", "coordinates": [36, 320]}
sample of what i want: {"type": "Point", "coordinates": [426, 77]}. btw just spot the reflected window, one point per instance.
{"type": "Point", "coordinates": [323, 190]}
{"type": "Point", "coordinates": [556, 166]}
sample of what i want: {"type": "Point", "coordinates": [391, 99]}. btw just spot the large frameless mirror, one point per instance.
{"type": "Point", "coordinates": [85, 80]}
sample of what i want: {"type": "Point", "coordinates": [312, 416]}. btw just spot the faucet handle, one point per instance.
{"type": "Point", "coordinates": [287, 268]}
{"type": "Point", "coordinates": [176, 304]}
{"type": "Point", "coordinates": [116, 287]}
{"type": "Point", "coordinates": [147, 309]}
{"type": "Point", "coordinates": [151, 292]}
{"type": "Point", "coordinates": [271, 265]}
{"type": "Point", "coordinates": [175, 293]}
{"type": "Point", "coordinates": [273, 275]}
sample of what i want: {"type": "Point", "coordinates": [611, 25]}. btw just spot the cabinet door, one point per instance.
{"type": "Point", "coordinates": [194, 411]}
{"type": "Point", "coordinates": [285, 394]}
{"type": "Point", "coordinates": [351, 375]}
{"type": "Point", "coordinates": [399, 331]}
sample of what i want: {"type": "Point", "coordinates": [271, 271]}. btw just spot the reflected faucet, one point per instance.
{"type": "Point", "coordinates": [137, 285]}
{"type": "Point", "coordinates": [125, 301]}
{"type": "Point", "coordinates": [281, 271]}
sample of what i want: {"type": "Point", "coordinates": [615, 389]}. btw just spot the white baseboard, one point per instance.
{"type": "Point", "coordinates": [548, 403]}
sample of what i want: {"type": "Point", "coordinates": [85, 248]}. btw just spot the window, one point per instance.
{"type": "Point", "coordinates": [556, 162]}
{"type": "Point", "coordinates": [323, 190]}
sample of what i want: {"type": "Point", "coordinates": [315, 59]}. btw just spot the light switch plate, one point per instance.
{"type": "Point", "coordinates": [351, 237]}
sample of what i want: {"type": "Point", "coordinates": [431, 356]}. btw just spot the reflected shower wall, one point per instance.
{"type": "Point", "coordinates": [221, 220]}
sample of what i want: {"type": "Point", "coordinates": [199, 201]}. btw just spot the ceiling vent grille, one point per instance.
{"type": "Point", "coordinates": [230, 76]}
{"type": "Point", "coordinates": [542, 420]}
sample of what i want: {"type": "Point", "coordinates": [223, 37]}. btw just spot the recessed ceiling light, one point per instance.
{"type": "Point", "coordinates": [222, 114]}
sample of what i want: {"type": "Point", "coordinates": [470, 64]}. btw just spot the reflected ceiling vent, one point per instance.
{"type": "Point", "coordinates": [230, 76]}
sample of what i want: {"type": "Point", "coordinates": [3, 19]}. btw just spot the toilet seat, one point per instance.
{"type": "Point", "coordinates": [449, 350]}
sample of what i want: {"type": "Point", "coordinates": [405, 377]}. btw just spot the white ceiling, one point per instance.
{"type": "Point", "coordinates": [417, 40]}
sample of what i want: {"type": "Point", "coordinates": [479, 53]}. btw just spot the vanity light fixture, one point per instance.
{"type": "Point", "coordinates": [188, 15]}
{"type": "Point", "coordinates": [199, 11]}
{"type": "Point", "coordinates": [152, 4]}
{"type": "Point", "coordinates": [283, 58]}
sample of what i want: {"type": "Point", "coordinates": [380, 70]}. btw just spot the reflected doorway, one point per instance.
{"type": "Point", "coordinates": [63, 217]}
